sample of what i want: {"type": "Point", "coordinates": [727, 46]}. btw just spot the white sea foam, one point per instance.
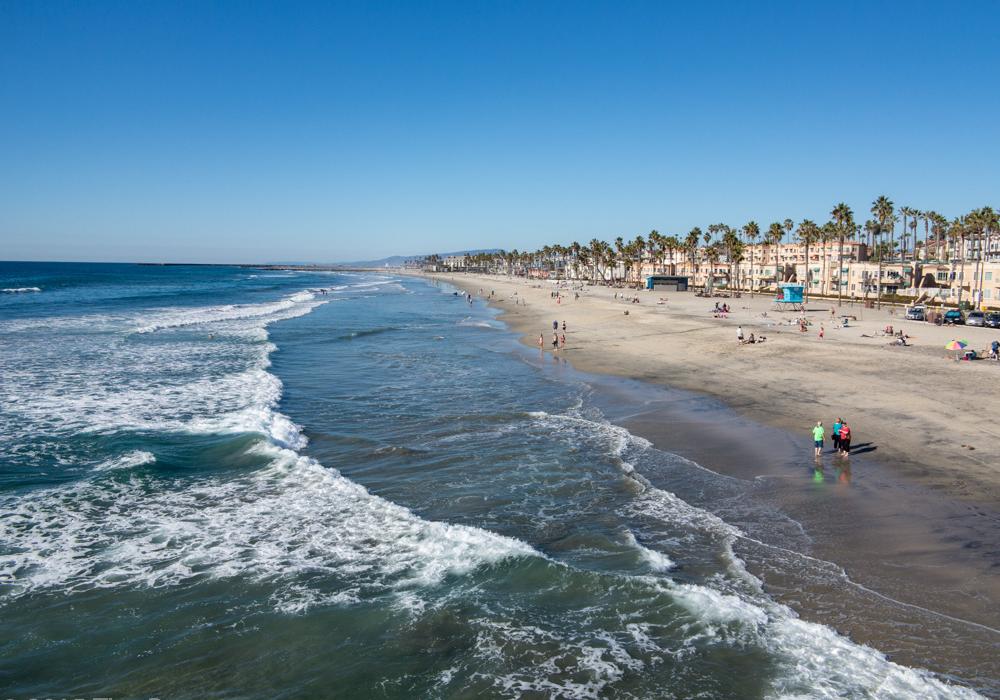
{"type": "Point", "coordinates": [136, 458]}
{"type": "Point", "coordinates": [476, 323]}
{"type": "Point", "coordinates": [657, 561]}
{"type": "Point", "coordinates": [20, 290]}
{"type": "Point", "coordinates": [97, 380]}
{"type": "Point", "coordinates": [290, 307]}
{"type": "Point", "coordinates": [293, 523]}
{"type": "Point", "coordinates": [291, 518]}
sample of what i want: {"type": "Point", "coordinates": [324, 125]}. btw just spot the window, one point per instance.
{"type": "Point", "coordinates": [942, 276]}
{"type": "Point", "coordinates": [989, 275]}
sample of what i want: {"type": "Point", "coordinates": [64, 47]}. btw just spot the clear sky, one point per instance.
{"type": "Point", "coordinates": [255, 131]}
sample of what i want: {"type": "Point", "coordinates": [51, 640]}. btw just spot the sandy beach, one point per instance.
{"type": "Point", "coordinates": [916, 408]}
{"type": "Point", "coordinates": [916, 537]}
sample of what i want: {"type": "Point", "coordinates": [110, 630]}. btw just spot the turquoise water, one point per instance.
{"type": "Point", "coordinates": [236, 483]}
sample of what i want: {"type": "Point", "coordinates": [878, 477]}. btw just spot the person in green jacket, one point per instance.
{"type": "Point", "coordinates": [818, 437]}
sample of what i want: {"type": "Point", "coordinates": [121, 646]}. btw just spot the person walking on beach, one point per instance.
{"type": "Point", "coordinates": [564, 326]}
{"type": "Point", "coordinates": [739, 333]}
{"type": "Point", "coordinates": [835, 435]}
{"type": "Point", "coordinates": [555, 325]}
{"type": "Point", "coordinates": [541, 341]}
{"type": "Point", "coordinates": [555, 341]}
{"type": "Point", "coordinates": [845, 439]}
{"type": "Point", "coordinates": [818, 438]}
{"type": "Point", "coordinates": [562, 340]}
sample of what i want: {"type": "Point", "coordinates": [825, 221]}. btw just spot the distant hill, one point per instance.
{"type": "Point", "coordinates": [398, 260]}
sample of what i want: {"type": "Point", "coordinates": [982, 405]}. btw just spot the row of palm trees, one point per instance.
{"type": "Point", "coordinates": [620, 262]}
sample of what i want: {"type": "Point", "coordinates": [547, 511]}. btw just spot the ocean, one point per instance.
{"type": "Point", "coordinates": [222, 482]}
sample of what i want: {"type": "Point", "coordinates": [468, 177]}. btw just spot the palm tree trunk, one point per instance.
{"type": "Point", "coordinates": [840, 272]}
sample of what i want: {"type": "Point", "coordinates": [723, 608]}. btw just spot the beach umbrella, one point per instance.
{"type": "Point", "coordinates": [956, 345]}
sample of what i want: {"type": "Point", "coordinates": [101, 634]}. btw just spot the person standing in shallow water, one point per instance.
{"type": "Point", "coordinates": [845, 438]}
{"type": "Point", "coordinates": [835, 434]}
{"type": "Point", "coordinates": [818, 438]}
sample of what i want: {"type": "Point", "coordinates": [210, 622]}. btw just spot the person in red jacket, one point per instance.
{"type": "Point", "coordinates": [845, 439]}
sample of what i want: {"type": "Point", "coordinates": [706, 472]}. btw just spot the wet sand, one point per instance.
{"type": "Point", "coordinates": [888, 562]}
{"type": "Point", "coordinates": [906, 563]}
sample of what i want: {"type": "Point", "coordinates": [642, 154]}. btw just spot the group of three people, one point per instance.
{"type": "Point", "coordinates": [841, 436]}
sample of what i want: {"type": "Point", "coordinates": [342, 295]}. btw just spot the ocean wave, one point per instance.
{"type": "Point", "coordinates": [470, 322]}
{"type": "Point", "coordinates": [292, 518]}
{"type": "Point", "coordinates": [317, 537]}
{"type": "Point", "coordinates": [136, 458]}
{"type": "Point", "coordinates": [98, 382]}
{"type": "Point", "coordinates": [294, 305]}
{"type": "Point", "coordinates": [367, 332]}
{"type": "Point", "coordinates": [20, 290]}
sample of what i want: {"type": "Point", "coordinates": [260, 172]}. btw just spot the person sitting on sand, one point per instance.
{"type": "Point", "coordinates": [751, 340]}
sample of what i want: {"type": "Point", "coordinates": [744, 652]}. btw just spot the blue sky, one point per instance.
{"type": "Point", "coordinates": [256, 131]}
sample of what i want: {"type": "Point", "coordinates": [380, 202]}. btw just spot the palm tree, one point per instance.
{"type": "Point", "coordinates": [808, 233]}
{"type": "Point", "coordinates": [691, 247]}
{"type": "Point", "coordinates": [773, 237]}
{"type": "Point", "coordinates": [730, 241]}
{"type": "Point", "coordinates": [984, 223]}
{"type": "Point", "coordinates": [656, 248]}
{"type": "Point", "coordinates": [905, 212]}
{"type": "Point", "coordinates": [882, 210]}
{"type": "Point", "coordinates": [844, 221]}
{"type": "Point", "coordinates": [638, 250]}
{"type": "Point", "coordinates": [957, 232]}
{"type": "Point", "coordinates": [751, 230]}
{"type": "Point", "coordinates": [788, 225]}
{"type": "Point", "coordinates": [674, 245]}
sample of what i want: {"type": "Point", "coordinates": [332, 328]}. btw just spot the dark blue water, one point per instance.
{"type": "Point", "coordinates": [225, 482]}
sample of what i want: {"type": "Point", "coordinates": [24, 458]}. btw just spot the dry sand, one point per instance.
{"type": "Point", "coordinates": [925, 414]}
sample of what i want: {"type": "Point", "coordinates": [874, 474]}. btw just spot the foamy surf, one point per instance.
{"type": "Point", "coordinates": [275, 524]}
{"type": "Point", "coordinates": [284, 520]}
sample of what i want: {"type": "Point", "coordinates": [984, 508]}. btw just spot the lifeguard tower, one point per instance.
{"type": "Point", "coordinates": [790, 297]}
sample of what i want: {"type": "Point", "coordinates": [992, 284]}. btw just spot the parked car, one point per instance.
{"type": "Point", "coordinates": [916, 313]}
{"type": "Point", "coordinates": [975, 318]}
{"type": "Point", "coordinates": [993, 320]}
{"type": "Point", "coordinates": [954, 316]}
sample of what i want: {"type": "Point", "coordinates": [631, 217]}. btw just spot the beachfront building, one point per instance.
{"type": "Point", "coordinates": [831, 269]}
{"type": "Point", "coordinates": [455, 263]}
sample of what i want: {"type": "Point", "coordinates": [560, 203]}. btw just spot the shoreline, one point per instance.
{"type": "Point", "coordinates": [918, 431]}
{"type": "Point", "coordinates": [914, 549]}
